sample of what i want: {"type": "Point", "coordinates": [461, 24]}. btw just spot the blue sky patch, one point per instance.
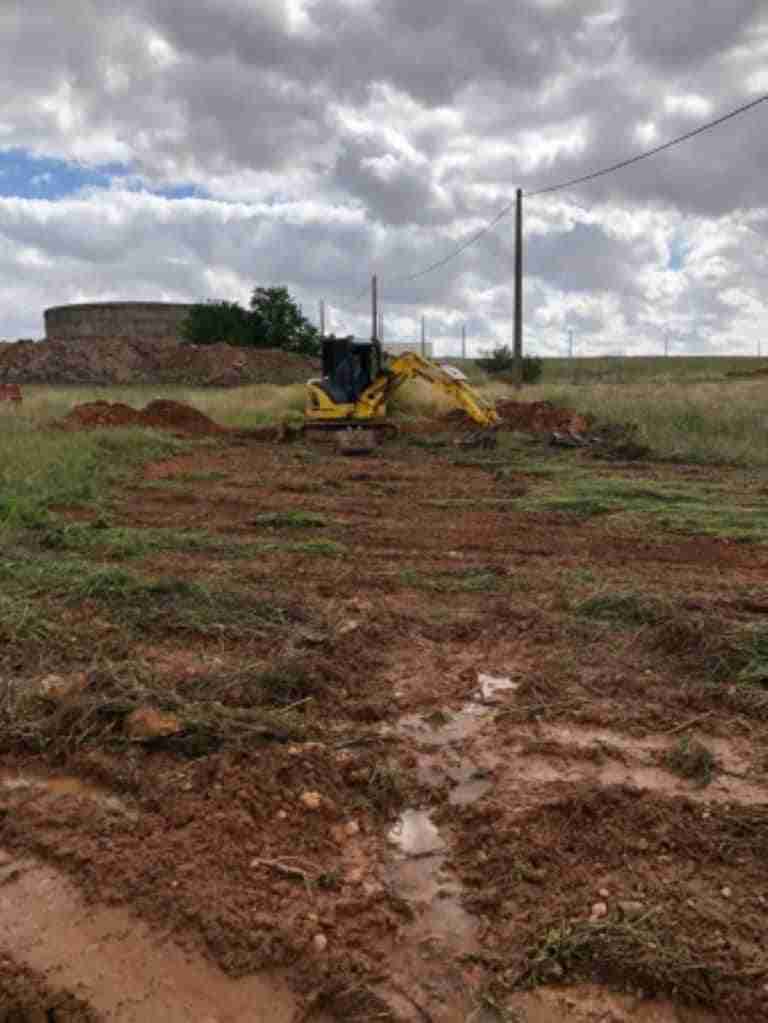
{"type": "Point", "coordinates": [25, 176]}
{"type": "Point", "coordinates": [678, 250]}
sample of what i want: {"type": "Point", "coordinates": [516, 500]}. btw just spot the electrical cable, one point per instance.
{"type": "Point", "coordinates": [577, 181]}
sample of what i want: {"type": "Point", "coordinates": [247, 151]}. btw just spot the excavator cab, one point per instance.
{"type": "Point", "coordinates": [349, 367]}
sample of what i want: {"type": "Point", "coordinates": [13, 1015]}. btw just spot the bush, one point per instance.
{"type": "Point", "coordinates": [273, 321]}
{"type": "Point", "coordinates": [209, 323]}
{"type": "Point", "coordinates": [502, 360]}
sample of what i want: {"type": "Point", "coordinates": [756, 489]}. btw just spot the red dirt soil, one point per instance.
{"type": "Point", "coordinates": [10, 392]}
{"type": "Point", "coordinates": [162, 414]}
{"type": "Point", "coordinates": [540, 417]}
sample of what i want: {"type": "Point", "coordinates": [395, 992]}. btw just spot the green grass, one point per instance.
{"type": "Point", "coordinates": [471, 581]}
{"type": "Point", "coordinates": [696, 507]}
{"type": "Point", "coordinates": [290, 520]}
{"type": "Point", "coordinates": [125, 542]}
{"type": "Point", "coordinates": [143, 603]}
{"type": "Point", "coordinates": [623, 608]}
{"type": "Point", "coordinates": [319, 548]}
{"type": "Point", "coordinates": [44, 468]}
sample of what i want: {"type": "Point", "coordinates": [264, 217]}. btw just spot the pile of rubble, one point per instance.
{"type": "Point", "coordinates": [147, 361]}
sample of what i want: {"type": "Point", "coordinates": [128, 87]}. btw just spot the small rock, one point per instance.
{"type": "Point", "coordinates": [282, 815]}
{"type": "Point", "coordinates": [726, 892]}
{"type": "Point", "coordinates": [320, 942]}
{"type": "Point", "coordinates": [313, 918]}
{"type": "Point", "coordinates": [629, 908]}
{"type": "Point", "coordinates": [312, 800]}
{"type": "Point", "coordinates": [599, 910]}
{"type": "Point", "coordinates": [604, 893]}
{"type": "Point", "coordinates": [147, 723]}
{"type": "Point", "coordinates": [58, 688]}
{"type": "Point", "coordinates": [348, 626]}
{"type": "Point", "coordinates": [352, 829]}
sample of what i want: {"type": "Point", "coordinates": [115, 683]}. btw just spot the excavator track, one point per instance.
{"type": "Point", "coordinates": [382, 428]}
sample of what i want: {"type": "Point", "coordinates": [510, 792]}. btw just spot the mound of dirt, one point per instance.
{"type": "Point", "coordinates": [540, 417]}
{"type": "Point", "coordinates": [162, 414]}
{"type": "Point", "coordinates": [104, 360]}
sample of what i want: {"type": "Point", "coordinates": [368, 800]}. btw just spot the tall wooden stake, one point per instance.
{"type": "Point", "coordinates": [464, 341]}
{"type": "Point", "coordinates": [519, 289]}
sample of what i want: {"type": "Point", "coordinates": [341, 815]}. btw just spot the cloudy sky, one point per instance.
{"type": "Point", "coordinates": [190, 149]}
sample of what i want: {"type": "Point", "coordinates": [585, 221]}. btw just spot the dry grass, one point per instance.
{"type": "Point", "coordinates": [701, 421]}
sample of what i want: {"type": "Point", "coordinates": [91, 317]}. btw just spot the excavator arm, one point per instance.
{"type": "Point", "coordinates": [447, 379]}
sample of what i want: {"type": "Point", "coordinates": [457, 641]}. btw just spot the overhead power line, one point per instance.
{"type": "Point", "coordinates": [651, 152]}
{"type": "Point", "coordinates": [578, 181]}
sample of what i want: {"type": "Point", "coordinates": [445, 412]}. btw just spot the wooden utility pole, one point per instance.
{"type": "Point", "coordinates": [374, 309]}
{"type": "Point", "coordinates": [519, 289]}
{"type": "Point", "coordinates": [464, 341]}
{"type": "Point", "coordinates": [322, 317]}
{"type": "Point", "coordinates": [381, 326]}
{"type": "Point", "coordinates": [424, 337]}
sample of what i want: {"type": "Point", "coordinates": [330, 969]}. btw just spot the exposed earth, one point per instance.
{"type": "Point", "coordinates": [96, 360]}
{"type": "Point", "coordinates": [289, 736]}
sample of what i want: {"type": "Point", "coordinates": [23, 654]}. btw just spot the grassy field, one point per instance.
{"type": "Point", "coordinates": [685, 409]}
{"type": "Point", "coordinates": [301, 636]}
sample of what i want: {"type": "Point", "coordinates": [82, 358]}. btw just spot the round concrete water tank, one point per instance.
{"type": "Point", "coordinates": [114, 320]}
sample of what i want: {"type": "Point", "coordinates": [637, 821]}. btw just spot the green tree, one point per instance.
{"type": "Point", "coordinates": [278, 322]}
{"type": "Point", "coordinates": [273, 321]}
{"type": "Point", "coordinates": [209, 323]}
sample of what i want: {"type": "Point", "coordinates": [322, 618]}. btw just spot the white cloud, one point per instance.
{"type": "Point", "coordinates": [335, 137]}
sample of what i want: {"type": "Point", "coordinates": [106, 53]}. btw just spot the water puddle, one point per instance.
{"type": "Point", "coordinates": [416, 835]}
{"type": "Point", "coordinates": [418, 874]}
{"type": "Point", "coordinates": [124, 971]}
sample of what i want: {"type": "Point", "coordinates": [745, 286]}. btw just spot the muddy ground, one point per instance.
{"type": "Point", "coordinates": [292, 736]}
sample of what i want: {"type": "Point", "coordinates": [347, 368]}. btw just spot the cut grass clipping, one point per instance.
{"type": "Point", "coordinates": [290, 520]}
{"type": "Point", "coordinates": [642, 951]}
{"type": "Point", "coordinates": [124, 542]}
{"type": "Point", "coordinates": [217, 712]}
{"type": "Point", "coordinates": [148, 604]}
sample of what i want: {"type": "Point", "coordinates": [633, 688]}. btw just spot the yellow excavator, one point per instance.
{"type": "Point", "coordinates": [358, 380]}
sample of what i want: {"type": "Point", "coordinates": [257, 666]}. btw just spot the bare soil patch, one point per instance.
{"type": "Point", "coordinates": [424, 754]}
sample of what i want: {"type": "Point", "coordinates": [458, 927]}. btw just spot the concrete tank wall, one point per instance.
{"type": "Point", "coordinates": [115, 320]}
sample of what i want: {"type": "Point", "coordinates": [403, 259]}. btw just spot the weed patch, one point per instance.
{"type": "Point", "coordinates": [691, 759]}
